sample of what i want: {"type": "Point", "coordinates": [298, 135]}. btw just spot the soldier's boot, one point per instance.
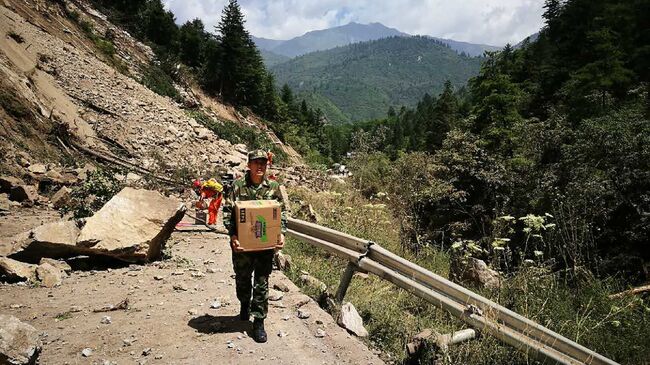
{"type": "Point", "coordinates": [259, 334]}
{"type": "Point", "coordinates": [244, 311]}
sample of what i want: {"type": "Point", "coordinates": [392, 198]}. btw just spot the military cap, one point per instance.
{"type": "Point", "coordinates": [257, 155]}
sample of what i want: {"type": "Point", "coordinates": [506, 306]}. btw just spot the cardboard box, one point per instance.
{"type": "Point", "coordinates": [258, 224]}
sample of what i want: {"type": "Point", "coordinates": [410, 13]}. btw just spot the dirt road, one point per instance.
{"type": "Point", "coordinates": [170, 319]}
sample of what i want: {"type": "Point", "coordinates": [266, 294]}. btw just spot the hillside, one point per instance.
{"type": "Point", "coordinates": [363, 80]}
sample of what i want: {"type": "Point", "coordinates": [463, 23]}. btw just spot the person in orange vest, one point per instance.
{"type": "Point", "coordinates": [211, 189]}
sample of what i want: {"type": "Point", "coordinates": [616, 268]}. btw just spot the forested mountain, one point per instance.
{"type": "Point", "coordinates": [364, 79]}
{"type": "Point", "coordinates": [319, 40]}
{"type": "Point", "coordinates": [271, 58]}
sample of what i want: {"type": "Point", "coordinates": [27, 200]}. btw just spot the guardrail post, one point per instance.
{"type": "Point", "coordinates": [345, 281]}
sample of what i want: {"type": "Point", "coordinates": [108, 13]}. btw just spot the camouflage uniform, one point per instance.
{"type": "Point", "coordinates": [259, 264]}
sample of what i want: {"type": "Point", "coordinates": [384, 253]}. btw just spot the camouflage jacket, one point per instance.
{"type": "Point", "coordinates": [244, 189]}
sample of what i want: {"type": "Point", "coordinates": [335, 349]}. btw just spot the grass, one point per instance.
{"type": "Point", "coordinates": [576, 306]}
{"type": "Point", "coordinates": [63, 316]}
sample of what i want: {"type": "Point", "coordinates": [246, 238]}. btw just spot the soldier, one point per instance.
{"type": "Point", "coordinates": [253, 186]}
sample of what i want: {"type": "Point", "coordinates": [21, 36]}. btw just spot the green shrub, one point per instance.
{"type": "Point", "coordinates": [155, 78]}
{"type": "Point", "coordinates": [98, 188]}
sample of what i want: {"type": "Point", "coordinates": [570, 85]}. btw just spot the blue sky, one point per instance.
{"type": "Point", "coordinates": [476, 21]}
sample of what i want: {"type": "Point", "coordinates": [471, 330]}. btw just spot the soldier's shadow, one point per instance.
{"type": "Point", "coordinates": [219, 324]}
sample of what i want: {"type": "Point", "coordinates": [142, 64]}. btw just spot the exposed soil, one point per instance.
{"type": "Point", "coordinates": [164, 325]}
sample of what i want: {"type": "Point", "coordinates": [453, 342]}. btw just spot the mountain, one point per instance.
{"type": "Point", "coordinates": [471, 49]}
{"type": "Point", "coordinates": [271, 58]}
{"type": "Point", "coordinates": [362, 80]}
{"type": "Point", "coordinates": [319, 40]}
{"type": "Point", "coordinates": [530, 39]}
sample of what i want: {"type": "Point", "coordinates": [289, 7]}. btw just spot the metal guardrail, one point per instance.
{"type": "Point", "coordinates": [475, 310]}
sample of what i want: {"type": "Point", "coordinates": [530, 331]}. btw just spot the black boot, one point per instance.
{"type": "Point", "coordinates": [244, 311]}
{"type": "Point", "coordinates": [259, 335]}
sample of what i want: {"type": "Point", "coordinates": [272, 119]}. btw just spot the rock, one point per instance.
{"type": "Point", "coordinates": [303, 314]}
{"type": "Point", "coordinates": [61, 197]}
{"type": "Point", "coordinates": [179, 287]}
{"type": "Point", "coordinates": [216, 304]}
{"type": "Point", "coordinates": [59, 264]}
{"type": "Point", "coordinates": [309, 213]}
{"type": "Point", "coordinates": [309, 280]}
{"type": "Point", "coordinates": [281, 286]}
{"type": "Point", "coordinates": [12, 270]}
{"type": "Point", "coordinates": [87, 352]}
{"type": "Point", "coordinates": [5, 203]}
{"type": "Point", "coordinates": [106, 320]}
{"type": "Point", "coordinates": [477, 272]}
{"type": "Point", "coordinates": [37, 168]}
{"type": "Point", "coordinates": [8, 182]}
{"type": "Point", "coordinates": [24, 193]}
{"type": "Point", "coordinates": [282, 262]}
{"type": "Point", "coordinates": [140, 223]}
{"type": "Point", "coordinates": [351, 320]}
{"type": "Point", "coordinates": [19, 342]}
{"type": "Point", "coordinates": [320, 333]}
{"type": "Point", "coordinates": [275, 295]}
{"type": "Point", "coordinates": [132, 178]}
{"type": "Point", "coordinates": [49, 275]}
{"type": "Point", "coordinates": [54, 240]}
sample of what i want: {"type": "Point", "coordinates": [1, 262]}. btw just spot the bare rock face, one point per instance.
{"type": "Point", "coordinates": [4, 203]}
{"type": "Point", "coordinates": [351, 320]}
{"type": "Point", "coordinates": [49, 275]}
{"type": "Point", "coordinates": [12, 270]}
{"type": "Point", "coordinates": [133, 225]}
{"type": "Point", "coordinates": [19, 342]}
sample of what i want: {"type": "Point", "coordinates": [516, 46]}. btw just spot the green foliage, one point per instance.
{"type": "Point", "coordinates": [363, 80]}
{"type": "Point", "coordinates": [98, 188]}
{"type": "Point", "coordinates": [158, 81]}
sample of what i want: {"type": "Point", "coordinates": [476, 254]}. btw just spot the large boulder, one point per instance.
{"type": "Point", "coordinates": [24, 194]}
{"type": "Point", "coordinates": [8, 182]}
{"type": "Point", "coordinates": [12, 270]}
{"type": "Point", "coordinates": [133, 225]}
{"type": "Point", "coordinates": [19, 342]}
{"type": "Point", "coordinates": [351, 320]}
{"type": "Point", "coordinates": [55, 240]}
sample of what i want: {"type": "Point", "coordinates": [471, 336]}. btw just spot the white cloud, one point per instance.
{"type": "Point", "coordinates": [494, 22]}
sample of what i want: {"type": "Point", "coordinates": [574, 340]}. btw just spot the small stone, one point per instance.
{"type": "Point", "coordinates": [231, 345]}
{"type": "Point", "coordinates": [283, 287]}
{"type": "Point", "coordinates": [320, 333]}
{"type": "Point", "coordinates": [211, 270]}
{"type": "Point", "coordinates": [158, 277]}
{"type": "Point", "coordinates": [197, 274]}
{"type": "Point", "coordinates": [128, 341]}
{"type": "Point", "coordinates": [175, 273]}
{"type": "Point", "coordinates": [216, 304]}
{"type": "Point", "coordinates": [106, 320]}
{"type": "Point", "coordinates": [282, 334]}
{"type": "Point", "coordinates": [146, 352]}
{"type": "Point", "coordinates": [86, 352]}
{"type": "Point", "coordinates": [302, 314]}
{"type": "Point", "coordinates": [192, 312]}
{"type": "Point", "coordinates": [286, 318]}
{"type": "Point", "coordinates": [275, 295]}
{"type": "Point", "coordinates": [180, 287]}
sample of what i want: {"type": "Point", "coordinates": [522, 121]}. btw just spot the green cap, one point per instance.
{"type": "Point", "coordinates": [257, 155]}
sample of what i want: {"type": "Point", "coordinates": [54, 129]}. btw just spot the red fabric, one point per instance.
{"type": "Point", "coordinates": [213, 209]}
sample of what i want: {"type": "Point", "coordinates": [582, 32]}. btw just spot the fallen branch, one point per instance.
{"type": "Point", "coordinates": [633, 291]}
{"type": "Point", "coordinates": [109, 308]}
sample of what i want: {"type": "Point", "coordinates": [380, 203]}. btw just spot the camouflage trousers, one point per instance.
{"type": "Point", "coordinates": [258, 266]}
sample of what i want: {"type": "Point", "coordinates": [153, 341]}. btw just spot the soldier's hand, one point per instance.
{"type": "Point", "coordinates": [234, 243]}
{"type": "Point", "coordinates": [280, 245]}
